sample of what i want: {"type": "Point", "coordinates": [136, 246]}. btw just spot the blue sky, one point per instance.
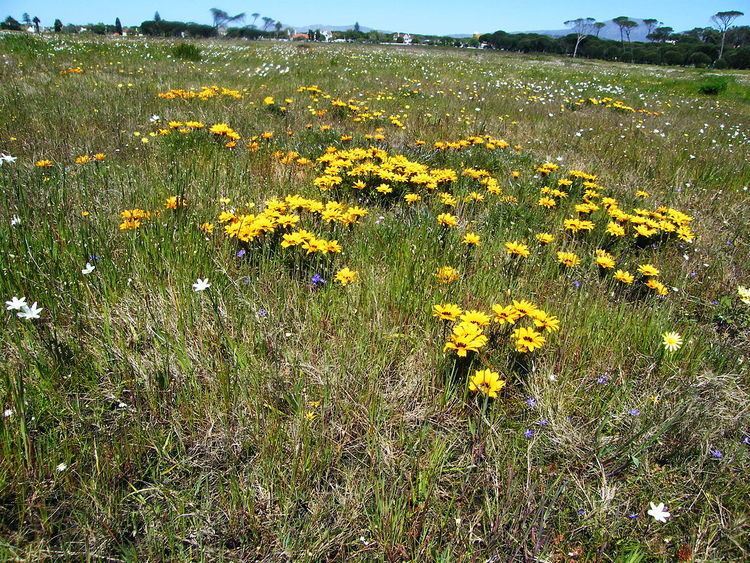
{"type": "Point", "coordinates": [418, 16]}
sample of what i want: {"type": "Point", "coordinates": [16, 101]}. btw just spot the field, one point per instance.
{"type": "Point", "coordinates": [328, 302]}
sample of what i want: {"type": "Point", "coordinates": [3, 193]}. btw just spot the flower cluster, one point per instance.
{"type": "Point", "coordinates": [468, 334]}
{"type": "Point", "coordinates": [205, 93]}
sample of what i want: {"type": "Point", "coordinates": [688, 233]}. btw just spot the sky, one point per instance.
{"type": "Point", "coordinates": [415, 16]}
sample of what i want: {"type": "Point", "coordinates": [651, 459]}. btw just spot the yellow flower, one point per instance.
{"type": "Point", "coordinates": [43, 163]}
{"type": "Point", "coordinates": [471, 239]}
{"type": "Point", "coordinates": [268, 101]}
{"type": "Point", "coordinates": [568, 259]}
{"type": "Point", "coordinates": [547, 202]}
{"type": "Point", "coordinates": [545, 321]}
{"type": "Point", "coordinates": [486, 382]}
{"type": "Point", "coordinates": [527, 339]}
{"type": "Point", "coordinates": [446, 312]}
{"type": "Point", "coordinates": [744, 294]}
{"type": "Point", "coordinates": [447, 220]}
{"type": "Point", "coordinates": [657, 286]}
{"type": "Point", "coordinates": [507, 314]}
{"type": "Point", "coordinates": [465, 338]}
{"type": "Point", "coordinates": [625, 277]}
{"type": "Point", "coordinates": [207, 228]}
{"type": "Point", "coordinates": [544, 238]}
{"type": "Point", "coordinates": [515, 248]}
{"type": "Point", "coordinates": [477, 317]}
{"type": "Point", "coordinates": [648, 270]}
{"type": "Point", "coordinates": [446, 274]}
{"type": "Point", "coordinates": [412, 198]}
{"type": "Point", "coordinates": [604, 259]}
{"type": "Point", "coordinates": [615, 230]}
{"type": "Point", "coordinates": [345, 276]}
{"type": "Point", "coordinates": [672, 341]}
{"type": "Point", "coordinates": [525, 308]}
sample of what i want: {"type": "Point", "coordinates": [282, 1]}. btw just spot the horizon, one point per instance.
{"type": "Point", "coordinates": [434, 18]}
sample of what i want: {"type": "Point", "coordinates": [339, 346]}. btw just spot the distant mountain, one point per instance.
{"type": "Point", "coordinates": [611, 31]}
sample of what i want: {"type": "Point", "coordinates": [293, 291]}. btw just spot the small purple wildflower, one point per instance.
{"type": "Point", "coordinates": [716, 454]}
{"type": "Point", "coordinates": [94, 258]}
{"type": "Point", "coordinates": [632, 516]}
{"type": "Point", "coordinates": [240, 253]}
{"type": "Point", "coordinates": [745, 440]}
{"type": "Point", "coordinates": [543, 422]}
{"type": "Point", "coordinates": [634, 412]}
{"type": "Point", "coordinates": [602, 379]}
{"type": "Point", "coordinates": [581, 512]}
{"type": "Point", "coordinates": [531, 401]}
{"type": "Point", "coordinates": [577, 284]}
{"type": "Point", "coordinates": [528, 434]}
{"type": "Point", "coordinates": [262, 313]}
{"type": "Point", "coordinates": [317, 280]}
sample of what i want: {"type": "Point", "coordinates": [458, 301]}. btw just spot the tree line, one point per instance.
{"type": "Point", "coordinates": [720, 46]}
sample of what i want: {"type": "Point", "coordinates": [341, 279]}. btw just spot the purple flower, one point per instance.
{"type": "Point", "coordinates": [632, 516]}
{"type": "Point", "coordinates": [240, 253]}
{"type": "Point", "coordinates": [317, 280]}
{"type": "Point", "coordinates": [745, 440]}
{"type": "Point", "coordinates": [577, 284]}
{"type": "Point", "coordinates": [716, 454]}
{"type": "Point", "coordinates": [634, 412]}
{"type": "Point", "coordinates": [531, 401]}
{"type": "Point", "coordinates": [543, 422]}
{"type": "Point", "coordinates": [581, 512]}
{"type": "Point", "coordinates": [93, 258]}
{"type": "Point", "coordinates": [528, 434]}
{"type": "Point", "coordinates": [262, 313]}
{"type": "Point", "coordinates": [602, 379]}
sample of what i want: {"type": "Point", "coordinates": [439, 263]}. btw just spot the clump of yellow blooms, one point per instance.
{"type": "Point", "coordinates": [468, 335]}
{"type": "Point", "coordinates": [133, 218]}
{"type": "Point", "coordinates": [205, 93]}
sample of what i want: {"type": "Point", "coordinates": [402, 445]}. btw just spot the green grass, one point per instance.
{"type": "Point", "coordinates": [265, 419]}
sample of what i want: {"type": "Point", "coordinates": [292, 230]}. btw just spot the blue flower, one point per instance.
{"type": "Point", "coordinates": [317, 280]}
{"type": "Point", "coordinates": [240, 253]}
{"type": "Point", "coordinates": [602, 379]}
{"type": "Point", "coordinates": [528, 434]}
{"type": "Point", "coordinates": [634, 412]}
{"type": "Point", "coordinates": [716, 454]}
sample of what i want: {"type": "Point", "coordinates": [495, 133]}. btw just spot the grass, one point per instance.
{"type": "Point", "coordinates": [267, 419]}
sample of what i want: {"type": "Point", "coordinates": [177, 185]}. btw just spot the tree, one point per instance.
{"type": "Point", "coordinates": [26, 19]}
{"type": "Point", "coordinates": [651, 24]}
{"type": "Point", "coordinates": [157, 17]}
{"type": "Point", "coordinates": [255, 17]}
{"type": "Point", "coordinates": [11, 24]}
{"type": "Point", "coordinates": [582, 27]}
{"type": "Point", "coordinates": [598, 26]}
{"type": "Point", "coordinates": [58, 26]}
{"type": "Point", "coordinates": [221, 18]}
{"type": "Point", "coordinates": [356, 27]}
{"type": "Point", "coordinates": [118, 26]}
{"type": "Point", "coordinates": [267, 22]}
{"type": "Point", "coordinates": [626, 25]}
{"type": "Point", "coordinates": [278, 25]}
{"type": "Point", "coordinates": [661, 34]}
{"type": "Point", "coordinates": [36, 21]}
{"type": "Point", "coordinates": [723, 20]}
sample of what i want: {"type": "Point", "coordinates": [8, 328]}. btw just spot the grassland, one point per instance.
{"type": "Point", "coordinates": [274, 416]}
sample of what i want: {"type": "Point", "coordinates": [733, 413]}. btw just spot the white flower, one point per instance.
{"type": "Point", "coordinates": [201, 285]}
{"type": "Point", "coordinates": [658, 512]}
{"type": "Point", "coordinates": [88, 269]}
{"type": "Point", "coordinates": [7, 413]}
{"type": "Point", "coordinates": [15, 220]}
{"type": "Point", "coordinates": [15, 304]}
{"type": "Point", "coordinates": [154, 118]}
{"type": "Point", "coordinates": [7, 158]}
{"type": "Point", "coordinates": [30, 313]}
{"type": "Point", "coordinates": [62, 467]}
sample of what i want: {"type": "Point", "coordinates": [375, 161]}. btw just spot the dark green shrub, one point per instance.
{"type": "Point", "coordinates": [186, 52]}
{"type": "Point", "coordinates": [673, 57]}
{"type": "Point", "coordinates": [713, 85]}
{"type": "Point", "coordinates": [700, 60]}
{"type": "Point", "coordinates": [721, 64]}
